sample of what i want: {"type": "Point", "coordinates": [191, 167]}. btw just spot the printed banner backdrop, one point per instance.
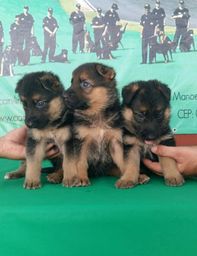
{"type": "Point", "coordinates": [121, 49]}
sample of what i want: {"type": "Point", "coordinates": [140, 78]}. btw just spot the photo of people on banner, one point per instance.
{"type": "Point", "coordinates": [102, 39]}
{"type": "Point", "coordinates": [154, 38]}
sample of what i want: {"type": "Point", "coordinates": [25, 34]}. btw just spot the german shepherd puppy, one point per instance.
{"type": "Point", "coordinates": [146, 113]}
{"type": "Point", "coordinates": [48, 119]}
{"type": "Point", "coordinates": [97, 121]}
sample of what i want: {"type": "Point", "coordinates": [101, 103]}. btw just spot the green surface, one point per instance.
{"type": "Point", "coordinates": [150, 219]}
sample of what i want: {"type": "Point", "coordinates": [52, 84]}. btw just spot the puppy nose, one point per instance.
{"type": "Point", "coordinates": [30, 122]}
{"type": "Point", "coordinates": [66, 96]}
{"type": "Point", "coordinates": [70, 93]}
{"type": "Point", "coordinates": [150, 137]}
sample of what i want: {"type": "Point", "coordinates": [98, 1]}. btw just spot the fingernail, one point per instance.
{"type": "Point", "coordinates": [154, 149]}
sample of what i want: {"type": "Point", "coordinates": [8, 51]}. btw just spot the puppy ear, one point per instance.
{"type": "Point", "coordinates": [129, 91]}
{"type": "Point", "coordinates": [105, 71]}
{"type": "Point", "coordinates": [164, 89]}
{"type": "Point", "coordinates": [18, 85]}
{"type": "Point", "coordinates": [51, 82]}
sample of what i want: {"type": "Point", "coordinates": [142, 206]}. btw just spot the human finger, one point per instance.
{"type": "Point", "coordinates": [166, 151]}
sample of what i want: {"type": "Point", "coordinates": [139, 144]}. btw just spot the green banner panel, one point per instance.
{"type": "Point", "coordinates": [123, 49]}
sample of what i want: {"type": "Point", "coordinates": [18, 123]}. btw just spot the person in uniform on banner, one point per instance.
{"type": "Point", "coordinates": [26, 22]}
{"type": "Point", "coordinates": [99, 27]}
{"type": "Point", "coordinates": [159, 15]}
{"type": "Point", "coordinates": [77, 19]}
{"type": "Point", "coordinates": [181, 16]}
{"type": "Point", "coordinates": [148, 33]}
{"type": "Point", "coordinates": [111, 19]}
{"type": "Point", "coordinates": [16, 40]}
{"type": "Point", "coordinates": [50, 27]}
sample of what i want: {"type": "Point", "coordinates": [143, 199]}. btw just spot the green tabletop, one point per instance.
{"type": "Point", "coordinates": [150, 219]}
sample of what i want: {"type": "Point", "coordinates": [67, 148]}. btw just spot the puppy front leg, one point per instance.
{"type": "Point", "coordinates": [171, 174]}
{"type": "Point", "coordinates": [35, 152]}
{"type": "Point", "coordinates": [129, 165]}
{"type": "Point", "coordinates": [70, 178]}
{"type": "Point", "coordinates": [116, 152]}
{"type": "Point", "coordinates": [82, 164]}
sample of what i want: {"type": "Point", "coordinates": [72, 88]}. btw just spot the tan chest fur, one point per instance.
{"type": "Point", "coordinates": [58, 136]}
{"type": "Point", "coordinates": [98, 132]}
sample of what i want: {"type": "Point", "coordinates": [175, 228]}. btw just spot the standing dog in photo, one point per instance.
{"type": "Point", "coordinates": [36, 50]}
{"type": "Point", "coordinates": [146, 113]}
{"type": "Point", "coordinates": [89, 45]}
{"type": "Point", "coordinates": [97, 121]}
{"type": "Point", "coordinates": [164, 47]}
{"type": "Point", "coordinates": [48, 120]}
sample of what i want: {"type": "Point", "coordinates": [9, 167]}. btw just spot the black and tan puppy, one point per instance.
{"type": "Point", "coordinates": [146, 112]}
{"type": "Point", "coordinates": [48, 120]}
{"type": "Point", "coordinates": [97, 120]}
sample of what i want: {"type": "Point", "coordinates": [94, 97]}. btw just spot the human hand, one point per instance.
{"type": "Point", "coordinates": [52, 151]}
{"type": "Point", "coordinates": [12, 145]}
{"type": "Point", "coordinates": [185, 156]}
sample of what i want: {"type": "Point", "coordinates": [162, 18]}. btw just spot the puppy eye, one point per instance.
{"type": "Point", "coordinates": [140, 116]}
{"type": "Point", "coordinates": [85, 85]}
{"type": "Point", "coordinates": [159, 114]}
{"type": "Point", "coordinates": [24, 104]}
{"type": "Point", "coordinates": [41, 103]}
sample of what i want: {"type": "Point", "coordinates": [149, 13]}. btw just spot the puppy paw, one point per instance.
{"type": "Point", "coordinates": [174, 181]}
{"type": "Point", "coordinates": [143, 179]}
{"type": "Point", "coordinates": [84, 181]}
{"type": "Point", "coordinates": [32, 184]}
{"type": "Point", "coordinates": [124, 183]}
{"type": "Point", "coordinates": [12, 175]}
{"type": "Point", "coordinates": [55, 178]}
{"type": "Point", "coordinates": [71, 182]}
{"type": "Point", "coordinates": [76, 182]}
{"type": "Point", "coordinates": [15, 174]}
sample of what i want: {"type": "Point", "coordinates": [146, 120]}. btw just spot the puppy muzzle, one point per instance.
{"type": "Point", "coordinates": [73, 101]}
